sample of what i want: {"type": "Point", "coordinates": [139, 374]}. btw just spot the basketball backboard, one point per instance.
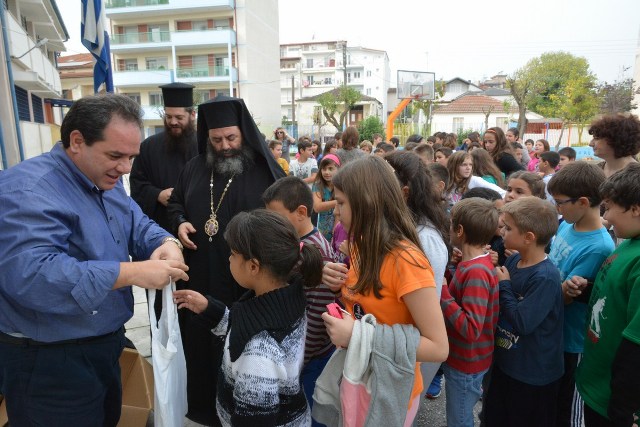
{"type": "Point", "coordinates": [416, 84]}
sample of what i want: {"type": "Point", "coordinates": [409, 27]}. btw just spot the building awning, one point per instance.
{"type": "Point", "coordinates": [59, 102]}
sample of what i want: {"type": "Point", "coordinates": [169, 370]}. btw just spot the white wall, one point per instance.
{"type": "Point", "coordinates": [259, 59]}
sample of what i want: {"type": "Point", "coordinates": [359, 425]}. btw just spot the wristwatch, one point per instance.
{"type": "Point", "coordinates": [174, 240]}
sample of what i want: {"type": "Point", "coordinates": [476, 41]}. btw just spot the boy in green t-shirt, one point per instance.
{"type": "Point", "coordinates": [608, 377]}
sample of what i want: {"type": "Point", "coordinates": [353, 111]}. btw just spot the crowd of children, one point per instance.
{"type": "Point", "coordinates": [507, 279]}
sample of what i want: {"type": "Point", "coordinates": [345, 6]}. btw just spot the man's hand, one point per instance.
{"type": "Point", "coordinates": [502, 273]}
{"type": "Point", "coordinates": [168, 250]}
{"type": "Point", "coordinates": [184, 230]}
{"type": "Point", "coordinates": [334, 274]}
{"type": "Point", "coordinates": [163, 197]}
{"type": "Point", "coordinates": [339, 330]}
{"type": "Point", "coordinates": [152, 274]}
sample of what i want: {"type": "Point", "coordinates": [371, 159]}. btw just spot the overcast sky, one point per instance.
{"type": "Point", "coordinates": [468, 39]}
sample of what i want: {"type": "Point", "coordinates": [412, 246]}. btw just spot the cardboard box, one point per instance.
{"type": "Point", "coordinates": [137, 391]}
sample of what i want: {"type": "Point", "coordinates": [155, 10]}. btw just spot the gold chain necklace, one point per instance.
{"type": "Point", "coordinates": [211, 227]}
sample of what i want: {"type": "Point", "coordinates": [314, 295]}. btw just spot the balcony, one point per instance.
{"type": "Point", "coordinates": [141, 78]}
{"type": "Point", "coordinates": [125, 9]}
{"type": "Point", "coordinates": [152, 112]}
{"type": "Point", "coordinates": [221, 37]}
{"type": "Point", "coordinates": [211, 74]}
{"type": "Point", "coordinates": [164, 40]}
{"type": "Point", "coordinates": [141, 42]}
{"type": "Point", "coordinates": [33, 71]}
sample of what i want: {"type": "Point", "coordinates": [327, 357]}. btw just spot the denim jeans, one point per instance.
{"type": "Point", "coordinates": [463, 392]}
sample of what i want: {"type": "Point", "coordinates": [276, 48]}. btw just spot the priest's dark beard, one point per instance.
{"type": "Point", "coordinates": [240, 161]}
{"type": "Point", "coordinates": [179, 144]}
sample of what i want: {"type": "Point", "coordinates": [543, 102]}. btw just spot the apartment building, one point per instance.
{"type": "Point", "coordinates": [220, 46]}
{"type": "Point", "coordinates": [310, 69]}
{"type": "Point", "coordinates": [34, 33]}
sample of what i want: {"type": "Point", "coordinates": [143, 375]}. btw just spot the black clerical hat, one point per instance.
{"type": "Point", "coordinates": [177, 95]}
{"type": "Point", "coordinates": [222, 113]}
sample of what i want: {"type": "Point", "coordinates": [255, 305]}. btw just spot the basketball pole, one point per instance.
{"type": "Point", "coordinates": [395, 113]}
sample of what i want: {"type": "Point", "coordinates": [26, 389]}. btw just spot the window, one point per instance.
{"type": "Point", "coordinates": [309, 63]}
{"type": "Point", "coordinates": [368, 73]}
{"type": "Point", "coordinates": [199, 25]}
{"type": "Point", "coordinates": [369, 91]}
{"type": "Point", "coordinates": [458, 124]}
{"type": "Point", "coordinates": [356, 74]}
{"type": "Point", "coordinates": [221, 24]}
{"type": "Point", "coordinates": [134, 96]}
{"type": "Point", "coordinates": [502, 122]}
{"type": "Point", "coordinates": [131, 64]}
{"type": "Point", "coordinates": [157, 63]}
{"type": "Point", "coordinates": [155, 98]}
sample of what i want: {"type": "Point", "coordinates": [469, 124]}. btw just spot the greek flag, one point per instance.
{"type": "Point", "coordinates": [95, 38]}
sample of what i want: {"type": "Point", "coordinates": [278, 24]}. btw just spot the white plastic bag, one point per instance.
{"type": "Point", "coordinates": [169, 365]}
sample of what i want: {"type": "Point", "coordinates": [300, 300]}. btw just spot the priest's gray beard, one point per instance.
{"type": "Point", "coordinates": [238, 162]}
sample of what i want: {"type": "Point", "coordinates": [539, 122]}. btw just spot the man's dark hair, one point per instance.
{"type": "Point", "coordinates": [395, 141]}
{"type": "Point", "coordinates": [578, 179]}
{"type": "Point", "coordinates": [568, 152]}
{"type": "Point", "coordinates": [623, 187]}
{"type": "Point", "coordinates": [514, 131]}
{"type": "Point", "coordinates": [483, 193]}
{"type": "Point", "coordinates": [303, 145]}
{"type": "Point", "coordinates": [92, 114]}
{"type": "Point", "coordinates": [337, 136]}
{"type": "Point", "coordinates": [292, 192]}
{"type": "Point", "coordinates": [551, 157]}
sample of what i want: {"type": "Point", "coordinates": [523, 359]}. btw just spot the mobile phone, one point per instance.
{"type": "Point", "coordinates": [334, 310]}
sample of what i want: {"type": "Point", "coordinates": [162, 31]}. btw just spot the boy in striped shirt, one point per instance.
{"type": "Point", "coordinates": [470, 306]}
{"type": "Point", "coordinates": [292, 198]}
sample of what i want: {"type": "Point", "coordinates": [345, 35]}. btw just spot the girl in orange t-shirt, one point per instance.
{"type": "Point", "coordinates": [390, 277]}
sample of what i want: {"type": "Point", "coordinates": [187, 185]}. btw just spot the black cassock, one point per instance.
{"type": "Point", "coordinates": [155, 169]}
{"type": "Point", "coordinates": [209, 271]}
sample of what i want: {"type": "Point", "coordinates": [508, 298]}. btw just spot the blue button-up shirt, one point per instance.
{"type": "Point", "coordinates": [62, 241]}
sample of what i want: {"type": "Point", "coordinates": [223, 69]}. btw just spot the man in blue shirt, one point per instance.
{"type": "Point", "coordinates": [67, 231]}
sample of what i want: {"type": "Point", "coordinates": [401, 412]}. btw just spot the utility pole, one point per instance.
{"type": "Point", "coordinates": [344, 64]}
{"type": "Point", "coordinates": [293, 104]}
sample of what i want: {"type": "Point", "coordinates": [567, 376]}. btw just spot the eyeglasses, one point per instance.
{"type": "Point", "coordinates": [562, 202]}
{"type": "Point", "coordinates": [279, 131]}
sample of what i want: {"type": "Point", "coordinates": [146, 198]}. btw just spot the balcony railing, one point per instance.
{"type": "Point", "coordinates": [133, 3]}
{"type": "Point", "coordinates": [148, 37]}
{"type": "Point", "coordinates": [216, 71]}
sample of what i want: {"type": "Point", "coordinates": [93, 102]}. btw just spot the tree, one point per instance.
{"type": "Point", "coordinates": [427, 105]}
{"type": "Point", "coordinates": [487, 113]}
{"type": "Point", "coordinates": [338, 101]}
{"type": "Point", "coordinates": [557, 84]}
{"type": "Point", "coordinates": [576, 103]}
{"type": "Point", "coordinates": [521, 86]}
{"type": "Point", "coordinates": [617, 97]}
{"type": "Point", "coordinates": [369, 126]}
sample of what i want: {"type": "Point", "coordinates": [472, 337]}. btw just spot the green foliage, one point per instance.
{"type": "Point", "coordinates": [559, 78]}
{"type": "Point", "coordinates": [462, 134]}
{"type": "Point", "coordinates": [556, 84]}
{"type": "Point", "coordinates": [616, 97]}
{"type": "Point", "coordinates": [369, 126]}
{"type": "Point", "coordinates": [338, 102]}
